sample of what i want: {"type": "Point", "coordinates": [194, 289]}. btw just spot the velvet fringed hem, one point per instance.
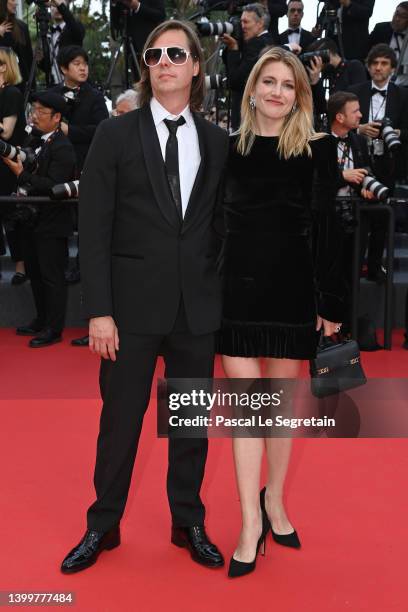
{"type": "Point", "coordinates": [279, 340]}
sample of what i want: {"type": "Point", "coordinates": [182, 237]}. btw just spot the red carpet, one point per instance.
{"type": "Point", "coordinates": [347, 498]}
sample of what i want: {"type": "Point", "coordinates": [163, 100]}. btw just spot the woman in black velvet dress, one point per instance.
{"type": "Point", "coordinates": [280, 190]}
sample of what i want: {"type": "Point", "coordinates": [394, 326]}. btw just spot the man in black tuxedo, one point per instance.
{"type": "Point", "coordinates": [65, 31]}
{"type": "Point", "coordinates": [295, 33]}
{"type": "Point", "coordinates": [354, 16]}
{"type": "Point", "coordinates": [148, 258]}
{"type": "Point", "coordinates": [380, 98]}
{"type": "Point", "coordinates": [86, 105]}
{"type": "Point", "coordinates": [240, 59]}
{"type": "Point", "coordinates": [343, 111]}
{"type": "Point", "coordinates": [394, 33]}
{"type": "Point", "coordinates": [45, 239]}
{"type": "Point", "coordinates": [276, 9]}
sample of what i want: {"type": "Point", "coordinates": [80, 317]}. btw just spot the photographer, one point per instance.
{"type": "Point", "coordinates": [295, 33]}
{"type": "Point", "coordinates": [352, 17]}
{"type": "Point", "coordinates": [14, 34]}
{"type": "Point", "coordinates": [380, 98]}
{"type": "Point", "coordinates": [240, 61]}
{"type": "Point", "coordinates": [344, 116]}
{"type": "Point", "coordinates": [45, 240]}
{"type": "Point", "coordinates": [143, 17]}
{"type": "Point", "coordinates": [394, 33]}
{"type": "Point", "coordinates": [12, 124]}
{"type": "Point", "coordinates": [276, 9]}
{"type": "Point", "coordinates": [340, 73]}
{"type": "Point", "coordinates": [65, 30]}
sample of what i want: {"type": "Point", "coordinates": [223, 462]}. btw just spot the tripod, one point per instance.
{"type": "Point", "coordinates": [43, 20]}
{"type": "Point", "coordinates": [126, 47]}
{"type": "Point", "coordinates": [329, 22]}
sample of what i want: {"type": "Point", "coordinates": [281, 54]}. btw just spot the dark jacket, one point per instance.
{"type": "Point", "coordinates": [136, 258]}
{"type": "Point", "coordinates": [85, 114]}
{"type": "Point", "coordinates": [382, 33]}
{"type": "Point", "coordinates": [306, 38]}
{"type": "Point", "coordinates": [149, 15]}
{"type": "Point", "coordinates": [355, 28]}
{"type": "Point", "coordinates": [240, 63]}
{"type": "Point", "coordinates": [276, 9]}
{"type": "Point", "coordinates": [73, 32]}
{"type": "Point", "coordinates": [24, 50]}
{"type": "Point", "coordinates": [361, 159]}
{"type": "Point", "coordinates": [55, 164]}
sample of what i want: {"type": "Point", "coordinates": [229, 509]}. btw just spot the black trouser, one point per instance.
{"type": "Point", "coordinates": [44, 259]}
{"type": "Point", "coordinates": [125, 388]}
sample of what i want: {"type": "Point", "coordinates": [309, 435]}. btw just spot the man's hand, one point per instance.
{"type": "Point", "coordinates": [372, 129]}
{"type": "Point", "coordinates": [295, 48]}
{"type": "Point", "coordinates": [315, 69]}
{"type": "Point", "coordinates": [5, 27]}
{"type": "Point", "coordinates": [64, 128]}
{"type": "Point", "coordinates": [103, 337]}
{"type": "Point", "coordinates": [132, 4]}
{"type": "Point", "coordinates": [231, 43]}
{"type": "Point", "coordinates": [329, 327]}
{"type": "Point", "coordinates": [317, 31]}
{"type": "Point", "coordinates": [367, 195]}
{"type": "Point", "coordinates": [354, 175]}
{"type": "Point", "coordinates": [15, 166]}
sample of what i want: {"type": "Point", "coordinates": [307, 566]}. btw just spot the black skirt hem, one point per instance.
{"type": "Point", "coordinates": [278, 340]}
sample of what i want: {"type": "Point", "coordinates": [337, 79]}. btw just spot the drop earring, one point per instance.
{"type": "Point", "coordinates": [252, 103]}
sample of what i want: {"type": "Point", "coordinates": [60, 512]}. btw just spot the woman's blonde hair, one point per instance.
{"type": "Point", "coordinates": [298, 127]}
{"type": "Point", "coordinates": [8, 58]}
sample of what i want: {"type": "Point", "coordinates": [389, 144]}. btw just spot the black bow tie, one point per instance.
{"type": "Point", "coordinates": [399, 34]}
{"type": "Point", "coordinates": [382, 92]}
{"type": "Point", "coordinates": [74, 90]}
{"type": "Point", "coordinates": [344, 139]}
{"type": "Point", "coordinates": [296, 31]}
{"type": "Point", "coordinates": [56, 28]}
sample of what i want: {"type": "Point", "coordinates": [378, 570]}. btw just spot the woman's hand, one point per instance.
{"type": "Point", "coordinates": [329, 327]}
{"type": "Point", "coordinates": [5, 27]}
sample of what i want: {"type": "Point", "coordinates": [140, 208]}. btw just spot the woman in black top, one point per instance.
{"type": "Point", "coordinates": [12, 124]}
{"type": "Point", "coordinates": [15, 35]}
{"type": "Point", "coordinates": [278, 290]}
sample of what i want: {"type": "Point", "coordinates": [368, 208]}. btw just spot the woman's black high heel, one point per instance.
{"type": "Point", "coordinates": [289, 539]}
{"type": "Point", "coordinates": [240, 568]}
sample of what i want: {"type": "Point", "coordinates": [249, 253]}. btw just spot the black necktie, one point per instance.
{"type": "Point", "coordinates": [172, 162]}
{"type": "Point", "coordinates": [382, 92]}
{"type": "Point", "coordinates": [296, 31]}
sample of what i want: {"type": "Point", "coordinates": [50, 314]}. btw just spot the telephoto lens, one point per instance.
{"type": "Point", "coordinates": [7, 150]}
{"type": "Point", "coordinates": [380, 191]}
{"type": "Point", "coordinates": [306, 58]}
{"type": "Point", "coordinates": [392, 142]}
{"type": "Point", "coordinates": [65, 191]}
{"type": "Point", "coordinates": [215, 28]}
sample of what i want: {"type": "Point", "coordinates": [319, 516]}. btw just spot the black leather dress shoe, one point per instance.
{"type": "Point", "coordinates": [45, 338]}
{"type": "Point", "coordinates": [84, 341]}
{"type": "Point", "coordinates": [31, 329]}
{"type": "Point", "coordinates": [18, 278]}
{"type": "Point", "coordinates": [88, 550]}
{"type": "Point", "coordinates": [196, 540]}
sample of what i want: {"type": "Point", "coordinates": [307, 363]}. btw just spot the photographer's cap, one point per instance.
{"type": "Point", "coordinates": [51, 99]}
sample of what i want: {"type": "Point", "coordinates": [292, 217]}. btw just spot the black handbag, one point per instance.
{"type": "Point", "coordinates": [337, 367]}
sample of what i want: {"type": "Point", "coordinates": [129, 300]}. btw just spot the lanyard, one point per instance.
{"type": "Point", "coordinates": [372, 109]}
{"type": "Point", "coordinates": [345, 156]}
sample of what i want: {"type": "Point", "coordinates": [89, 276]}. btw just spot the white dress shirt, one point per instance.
{"type": "Point", "coordinates": [348, 163]}
{"type": "Point", "coordinates": [294, 37]}
{"type": "Point", "coordinates": [397, 44]}
{"type": "Point", "coordinates": [377, 104]}
{"type": "Point", "coordinates": [188, 146]}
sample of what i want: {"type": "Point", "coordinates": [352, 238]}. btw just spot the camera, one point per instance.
{"type": "Point", "coordinates": [215, 81]}
{"type": "Point", "coordinates": [392, 142]}
{"type": "Point", "coordinates": [218, 28]}
{"type": "Point", "coordinates": [330, 8]}
{"type": "Point", "coordinates": [7, 150]}
{"type": "Point", "coordinates": [380, 191]}
{"type": "Point", "coordinates": [306, 58]}
{"type": "Point", "coordinates": [64, 191]}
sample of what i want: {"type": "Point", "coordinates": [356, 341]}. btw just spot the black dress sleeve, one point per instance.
{"type": "Point", "coordinates": [327, 233]}
{"type": "Point", "coordinates": [11, 103]}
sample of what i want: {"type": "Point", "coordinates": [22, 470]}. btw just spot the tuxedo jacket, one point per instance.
{"type": "Point", "coordinates": [355, 28]}
{"type": "Point", "coordinates": [240, 63]}
{"type": "Point", "coordinates": [84, 115]}
{"type": "Point", "coordinates": [276, 9]}
{"type": "Point", "coordinates": [395, 107]}
{"type": "Point", "coordinates": [73, 32]}
{"type": "Point", "coordinates": [306, 38]}
{"type": "Point", "coordinates": [149, 15]}
{"type": "Point", "coordinates": [382, 33]}
{"type": "Point", "coordinates": [55, 164]}
{"type": "Point", "coordinates": [361, 158]}
{"type": "Point", "coordinates": [137, 259]}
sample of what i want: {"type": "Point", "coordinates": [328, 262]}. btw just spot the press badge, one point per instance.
{"type": "Point", "coordinates": [378, 147]}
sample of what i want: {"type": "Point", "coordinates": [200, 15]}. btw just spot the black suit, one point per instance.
{"type": "Point", "coordinates": [157, 278]}
{"type": "Point", "coordinates": [150, 14]}
{"type": "Point", "coordinates": [45, 244]}
{"type": "Point", "coordinates": [239, 64]}
{"type": "Point", "coordinates": [355, 28]}
{"type": "Point", "coordinates": [382, 33]}
{"type": "Point", "coordinates": [306, 38]}
{"type": "Point", "coordinates": [73, 32]}
{"type": "Point", "coordinates": [276, 9]}
{"type": "Point", "coordinates": [85, 113]}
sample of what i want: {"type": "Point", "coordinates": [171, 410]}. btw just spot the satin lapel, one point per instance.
{"type": "Point", "coordinates": [391, 104]}
{"type": "Point", "coordinates": [198, 183]}
{"type": "Point", "coordinates": [155, 167]}
{"type": "Point", "coordinates": [365, 101]}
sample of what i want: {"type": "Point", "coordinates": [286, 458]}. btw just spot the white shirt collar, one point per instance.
{"type": "Point", "coordinates": [262, 33]}
{"type": "Point", "coordinates": [45, 137]}
{"type": "Point", "coordinates": [160, 113]}
{"type": "Point", "coordinates": [384, 88]}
